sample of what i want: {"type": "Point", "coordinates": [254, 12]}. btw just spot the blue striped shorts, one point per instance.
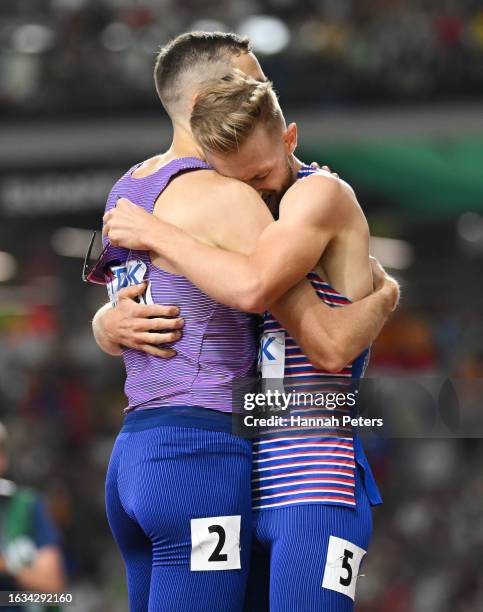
{"type": "Point", "coordinates": [179, 506]}
{"type": "Point", "coordinates": [308, 557]}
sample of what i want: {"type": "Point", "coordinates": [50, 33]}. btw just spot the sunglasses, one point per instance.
{"type": "Point", "coordinates": [94, 272]}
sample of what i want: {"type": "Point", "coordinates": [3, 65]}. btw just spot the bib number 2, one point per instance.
{"type": "Point", "coordinates": [215, 543]}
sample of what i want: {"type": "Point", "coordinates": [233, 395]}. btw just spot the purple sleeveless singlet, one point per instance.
{"type": "Point", "coordinates": [218, 344]}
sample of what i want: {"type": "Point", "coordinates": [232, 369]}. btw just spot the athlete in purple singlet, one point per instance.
{"type": "Point", "coordinates": [218, 345]}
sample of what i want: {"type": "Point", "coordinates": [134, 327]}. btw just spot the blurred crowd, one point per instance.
{"type": "Point", "coordinates": [65, 56]}
{"type": "Point", "coordinates": [62, 405]}
{"type": "Point", "coordinates": [428, 538]}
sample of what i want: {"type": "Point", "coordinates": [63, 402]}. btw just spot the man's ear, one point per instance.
{"type": "Point", "coordinates": [192, 103]}
{"type": "Point", "coordinates": [290, 138]}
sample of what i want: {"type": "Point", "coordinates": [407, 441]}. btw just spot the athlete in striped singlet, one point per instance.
{"type": "Point", "coordinates": [312, 490]}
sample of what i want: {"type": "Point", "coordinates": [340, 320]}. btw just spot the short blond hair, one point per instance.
{"type": "Point", "coordinates": [227, 110]}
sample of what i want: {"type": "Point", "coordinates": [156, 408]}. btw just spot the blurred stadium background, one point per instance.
{"type": "Point", "coordinates": [389, 93]}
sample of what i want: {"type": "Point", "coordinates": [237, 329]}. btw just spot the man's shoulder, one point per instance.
{"type": "Point", "coordinates": [119, 182]}
{"type": "Point", "coordinates": [140, 169]}
{"type": "Point", "coordinates": [211, 179]}
{"type": "Point", "coordinates": [321, 195]}
{"type": "Point", "coordinates": [223, 211]}
{"type": "Point", "coordinates": [322, 184]}
{"type": "Point", "coordinates": [216, 190]}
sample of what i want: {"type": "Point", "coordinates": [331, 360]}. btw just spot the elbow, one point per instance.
{"type": "Point", "coordinates": [110, 348]}
{"type": "Point", "coordinates": [328, 358]}
{"type": "Point", "coordinates": [252, 298]}
{"type": "Point", "coordinates": [114, 350]}
{"type": "Point", "coordinates": [252, 305]}
{"type": "Point", "coordinates": [335, 365]}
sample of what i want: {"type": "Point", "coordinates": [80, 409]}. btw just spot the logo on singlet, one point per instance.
{"type": "Point", "coordinates": [130, 273]}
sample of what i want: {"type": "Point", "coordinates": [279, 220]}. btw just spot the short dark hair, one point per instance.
{"type": "Point", "coordinates": [188, 50]}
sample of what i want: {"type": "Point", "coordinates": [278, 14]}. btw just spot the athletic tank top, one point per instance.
{"type": "Point", "coordinates": [302, 465]}
{"type": "Point", "coordinates": [218, 342]}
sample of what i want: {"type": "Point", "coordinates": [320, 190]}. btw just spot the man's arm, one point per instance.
{"type": "Point", "coordinates": [330, 337]}
{"type": "Point", "coordinates": [333, 337]}
{"type": "Point", "coordinates": [312, 212]}
{"type": "Point", "coordinates": [127, 324]}
{"type": "Point", "coordinates": [46, 573]}
{"type": "Point", "coordinates": [137, 326]}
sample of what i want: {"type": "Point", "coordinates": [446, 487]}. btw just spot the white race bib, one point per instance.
{"type": "Point", "coordinates": [342, 566]}
{"type": "Point", "coordinates": [215, 543]}
{"type": "Point", "coordinates": [130, 273]}
{"type": "Point", "coordinates": [271, 360]}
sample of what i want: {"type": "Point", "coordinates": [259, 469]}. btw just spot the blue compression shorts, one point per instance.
{"type": "Point", "coordinates": [179, 506]}
{"type": "Point", "coordinates": [307, 557]}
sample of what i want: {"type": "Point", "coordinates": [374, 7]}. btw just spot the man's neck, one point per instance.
{"type": "Point", "coordinates": [296, 164]}
{"type": "Point", "coordinates": [183, 144]}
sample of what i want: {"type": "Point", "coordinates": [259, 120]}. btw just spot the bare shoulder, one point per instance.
{"type": "Point", "coordinates": [321, 196]}
{"type": "Point", "coordinates": [220, 193]}
{"type": "Point", "coordinates": [222, 185]}
{"type": "Point", "coordinates": [241, 214]}
{"type": "Point", "coordinates": [223, 211]}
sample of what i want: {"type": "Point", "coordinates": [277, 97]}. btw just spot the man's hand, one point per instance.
{"type": "Point", "coordinates": [383, 282]}
{"type": "Point", "coordinates": [129, 226]}
{"type": "Point", "coordinates": [138, 326]}
{"type": "Point", "coordinates": [326, 168]}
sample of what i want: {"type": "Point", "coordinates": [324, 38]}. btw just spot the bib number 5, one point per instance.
{"type": "Point", "coordinates": [215, 543]}
{"type": "Point", "coordinates": [342, 566]}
